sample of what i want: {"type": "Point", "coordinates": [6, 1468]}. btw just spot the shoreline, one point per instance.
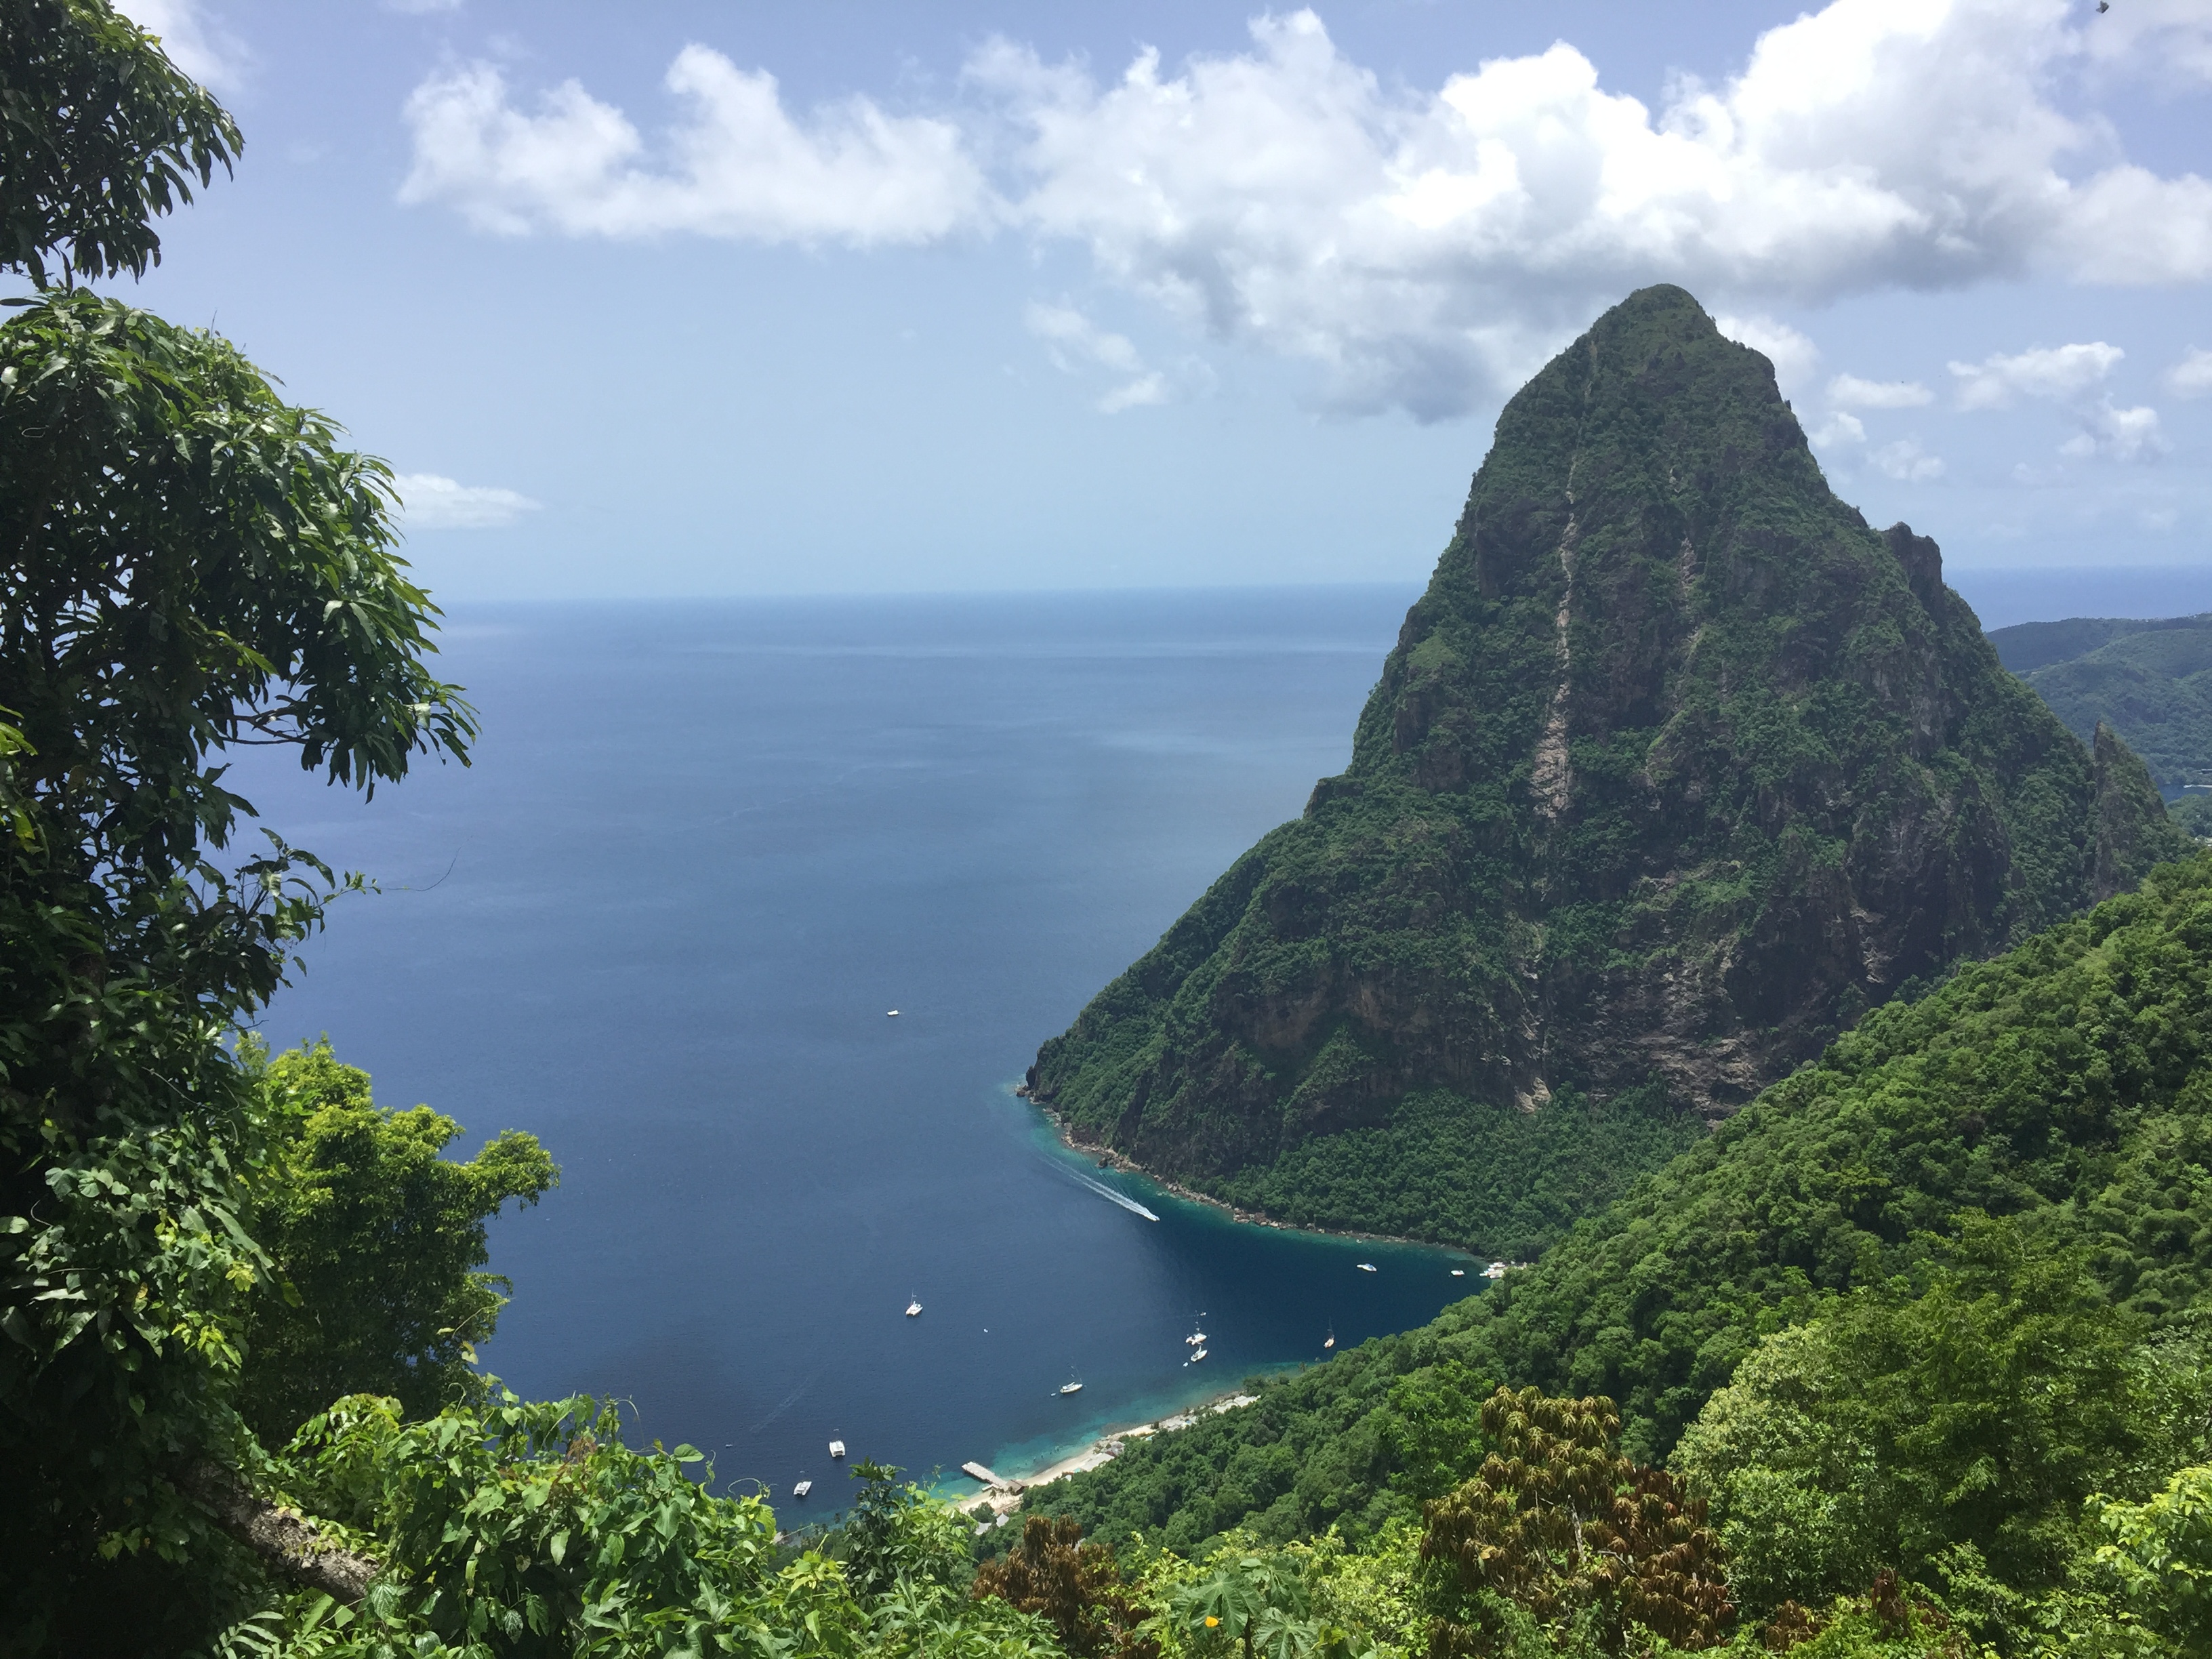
{"type": "Point", "coordinates": [1127, 1165]}
{"type": "Point", "coordinates": [1005, 1495]}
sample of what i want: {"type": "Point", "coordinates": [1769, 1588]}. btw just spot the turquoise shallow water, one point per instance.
{"type": "Point", "coordinates": [1280, 1292]}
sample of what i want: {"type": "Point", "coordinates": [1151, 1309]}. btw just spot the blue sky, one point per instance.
{"type": "Point", "coordinates": [702, 299]}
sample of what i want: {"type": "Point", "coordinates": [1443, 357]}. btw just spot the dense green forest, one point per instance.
{"type": "Point", "coordinates": [1676, 769]}
{"type": "Point", "coordinates": [1932, 1306]}
{"type": "Point", "coordinates": [2150, 681]}
{"type": "Point", "coordinates": [1906, 1358]}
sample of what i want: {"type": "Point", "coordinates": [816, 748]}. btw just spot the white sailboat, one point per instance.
{"type": "Point", "coordinates": [913, 1307]}
{"type": "Point", "coordinates": [1330, 1340]}
{"type": "Point", "coordinates": [1197, 1355]}
{"type": "Point", "coordinates": [1366, 1266]}
{"type": "Point", "coordinates": [1071, 1388]}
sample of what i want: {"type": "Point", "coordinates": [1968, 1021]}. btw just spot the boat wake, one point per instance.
{"type": "Point", "coordinates": [1105, 1191]}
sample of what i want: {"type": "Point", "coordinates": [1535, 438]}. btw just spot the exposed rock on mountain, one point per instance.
{"type": "Point", "coordinates": [1676, 769]}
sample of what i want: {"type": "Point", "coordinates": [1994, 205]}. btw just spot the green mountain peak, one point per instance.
{"type": "Point", "coordinates": [1677, 766]}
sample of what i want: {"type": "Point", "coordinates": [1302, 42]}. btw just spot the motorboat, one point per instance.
{"type": "Point", "coordinates": [802, 1489]}
{"type": "Point", "coordinates": [836, 1449]}
{"type": "Point", "coordinates": [913, 1308]}
{"type": "Point", "coordinates": [1367, 1266]}
{"type": "Point", "coordinates": [890, 1013]}
{"type": "Point", "coordinates": [1459, 1272]}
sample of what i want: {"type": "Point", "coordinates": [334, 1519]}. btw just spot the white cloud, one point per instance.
{"type": "Point", "coordinates": [195, 42]}
{"type": "Point", "coordinates": [2123, 435]}
{"type": "Point", "coordinates": [1793, 355]}
{"type": "Point", "coordinates": [737, 166]}
{"type": "Point", "coordinates": [1075, 342]}
{"type": "Point", "coordinates": [2172, 39]}
{"type": "Point", "coordinates": [429, 502]}
{"type": "Point", "coordinates": [2192, 376]}
{"type": "Point", "coordinates": [1420, 244]}
{"type": "Point", "coordinates": [2045, 372]}
{"type": "Point", "coordinates": [1425, 247]}
{"type": "Point", "coordinates": [1849, 391]}
{"type": "Point", "coordinates": [1905, 459]}
{"type": "Point", "coordinates": [1839, 430]}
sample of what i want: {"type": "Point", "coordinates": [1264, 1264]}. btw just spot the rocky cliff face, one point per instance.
{"type": "Point", "coordinates": [1677, 767]}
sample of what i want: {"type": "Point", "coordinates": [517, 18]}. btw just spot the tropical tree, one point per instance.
{"type": "Point", "coordinates": [377, 1245]}
{"type": "Point", "coordinates": [2159, 1552]}
{"type": "Point", "coordinates": [1075, 1587]}
{"type": "Point", "coordinates": [1259, 1606]}
{"type": "Point", "coordinates": [100, 134]}
{"type": "Point", "coordinates": [894, 1533]}
{"type": "Point", "coordinates": [1978, 1411]}
{"type": "Point", "coordinates": [1558, 1525]}
{"type": "Point", "coordinates": [187, 564]}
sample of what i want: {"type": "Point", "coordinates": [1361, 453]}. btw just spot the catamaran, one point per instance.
{"type": "Point", "coordinates": [836, 1449]}
{"type": "Point", "coordinates": [802, 1489]}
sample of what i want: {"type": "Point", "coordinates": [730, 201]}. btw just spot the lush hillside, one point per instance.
{"type": "Point", "coordinates": [2151, 682]}
{"type": "Point", "coordinates": [2067, 1084]}
{"type": "Point", "coordinates": [1676, 769]}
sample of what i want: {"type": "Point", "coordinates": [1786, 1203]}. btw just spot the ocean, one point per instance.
{"type": "Point", "coordinates": [660, 923]}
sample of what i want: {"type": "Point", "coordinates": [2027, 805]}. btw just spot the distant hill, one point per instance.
{"type": "Point", "coordinates": [2151, 681]}
{"type": "Point", "coordinates": [1677, 767]}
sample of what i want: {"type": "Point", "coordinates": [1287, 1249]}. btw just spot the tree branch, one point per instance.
{"type": "Point", "coordinates": [282, 1537]}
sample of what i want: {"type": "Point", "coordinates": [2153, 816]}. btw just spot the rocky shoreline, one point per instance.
{"type": "Point", "coordinates": [1115, 1160]}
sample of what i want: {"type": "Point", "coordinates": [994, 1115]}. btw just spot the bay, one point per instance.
{"type": "Point", "coordinates": [659, 923]}
{"type": "Point", "coordinates": [703, 851]}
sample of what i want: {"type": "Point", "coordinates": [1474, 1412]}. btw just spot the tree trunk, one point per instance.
{"type": "Point", "coordinates": [283, 1538]}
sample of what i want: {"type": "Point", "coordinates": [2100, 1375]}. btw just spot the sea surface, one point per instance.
{"type": "Point", "coordinates": [661, 922]}
{"type": "Point", "coordinates": [703, 850]}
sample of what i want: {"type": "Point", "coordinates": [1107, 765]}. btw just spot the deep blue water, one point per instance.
{"type": "Point", "coordinates": [658, 923]}
{"type": "Point", "coordinates": [703, 850]}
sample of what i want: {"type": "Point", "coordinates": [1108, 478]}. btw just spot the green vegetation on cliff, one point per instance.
{"type": "Point", "coordinates": [2150, 681]}
{"type": "Point", "coordinates": [1677, 768]}
{"type": "Point", "coordinates": [1912, 1310]}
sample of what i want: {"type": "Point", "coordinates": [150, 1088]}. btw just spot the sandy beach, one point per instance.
{"type": "Point", "coordinates": [1003, 1494]}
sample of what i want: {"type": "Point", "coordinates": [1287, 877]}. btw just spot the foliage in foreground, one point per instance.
{"type": "Point", "coordinates": [377, 1244]}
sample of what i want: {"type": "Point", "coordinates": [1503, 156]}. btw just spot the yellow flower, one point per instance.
{"type": "Point", "coordinates": [1210, 1621]}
